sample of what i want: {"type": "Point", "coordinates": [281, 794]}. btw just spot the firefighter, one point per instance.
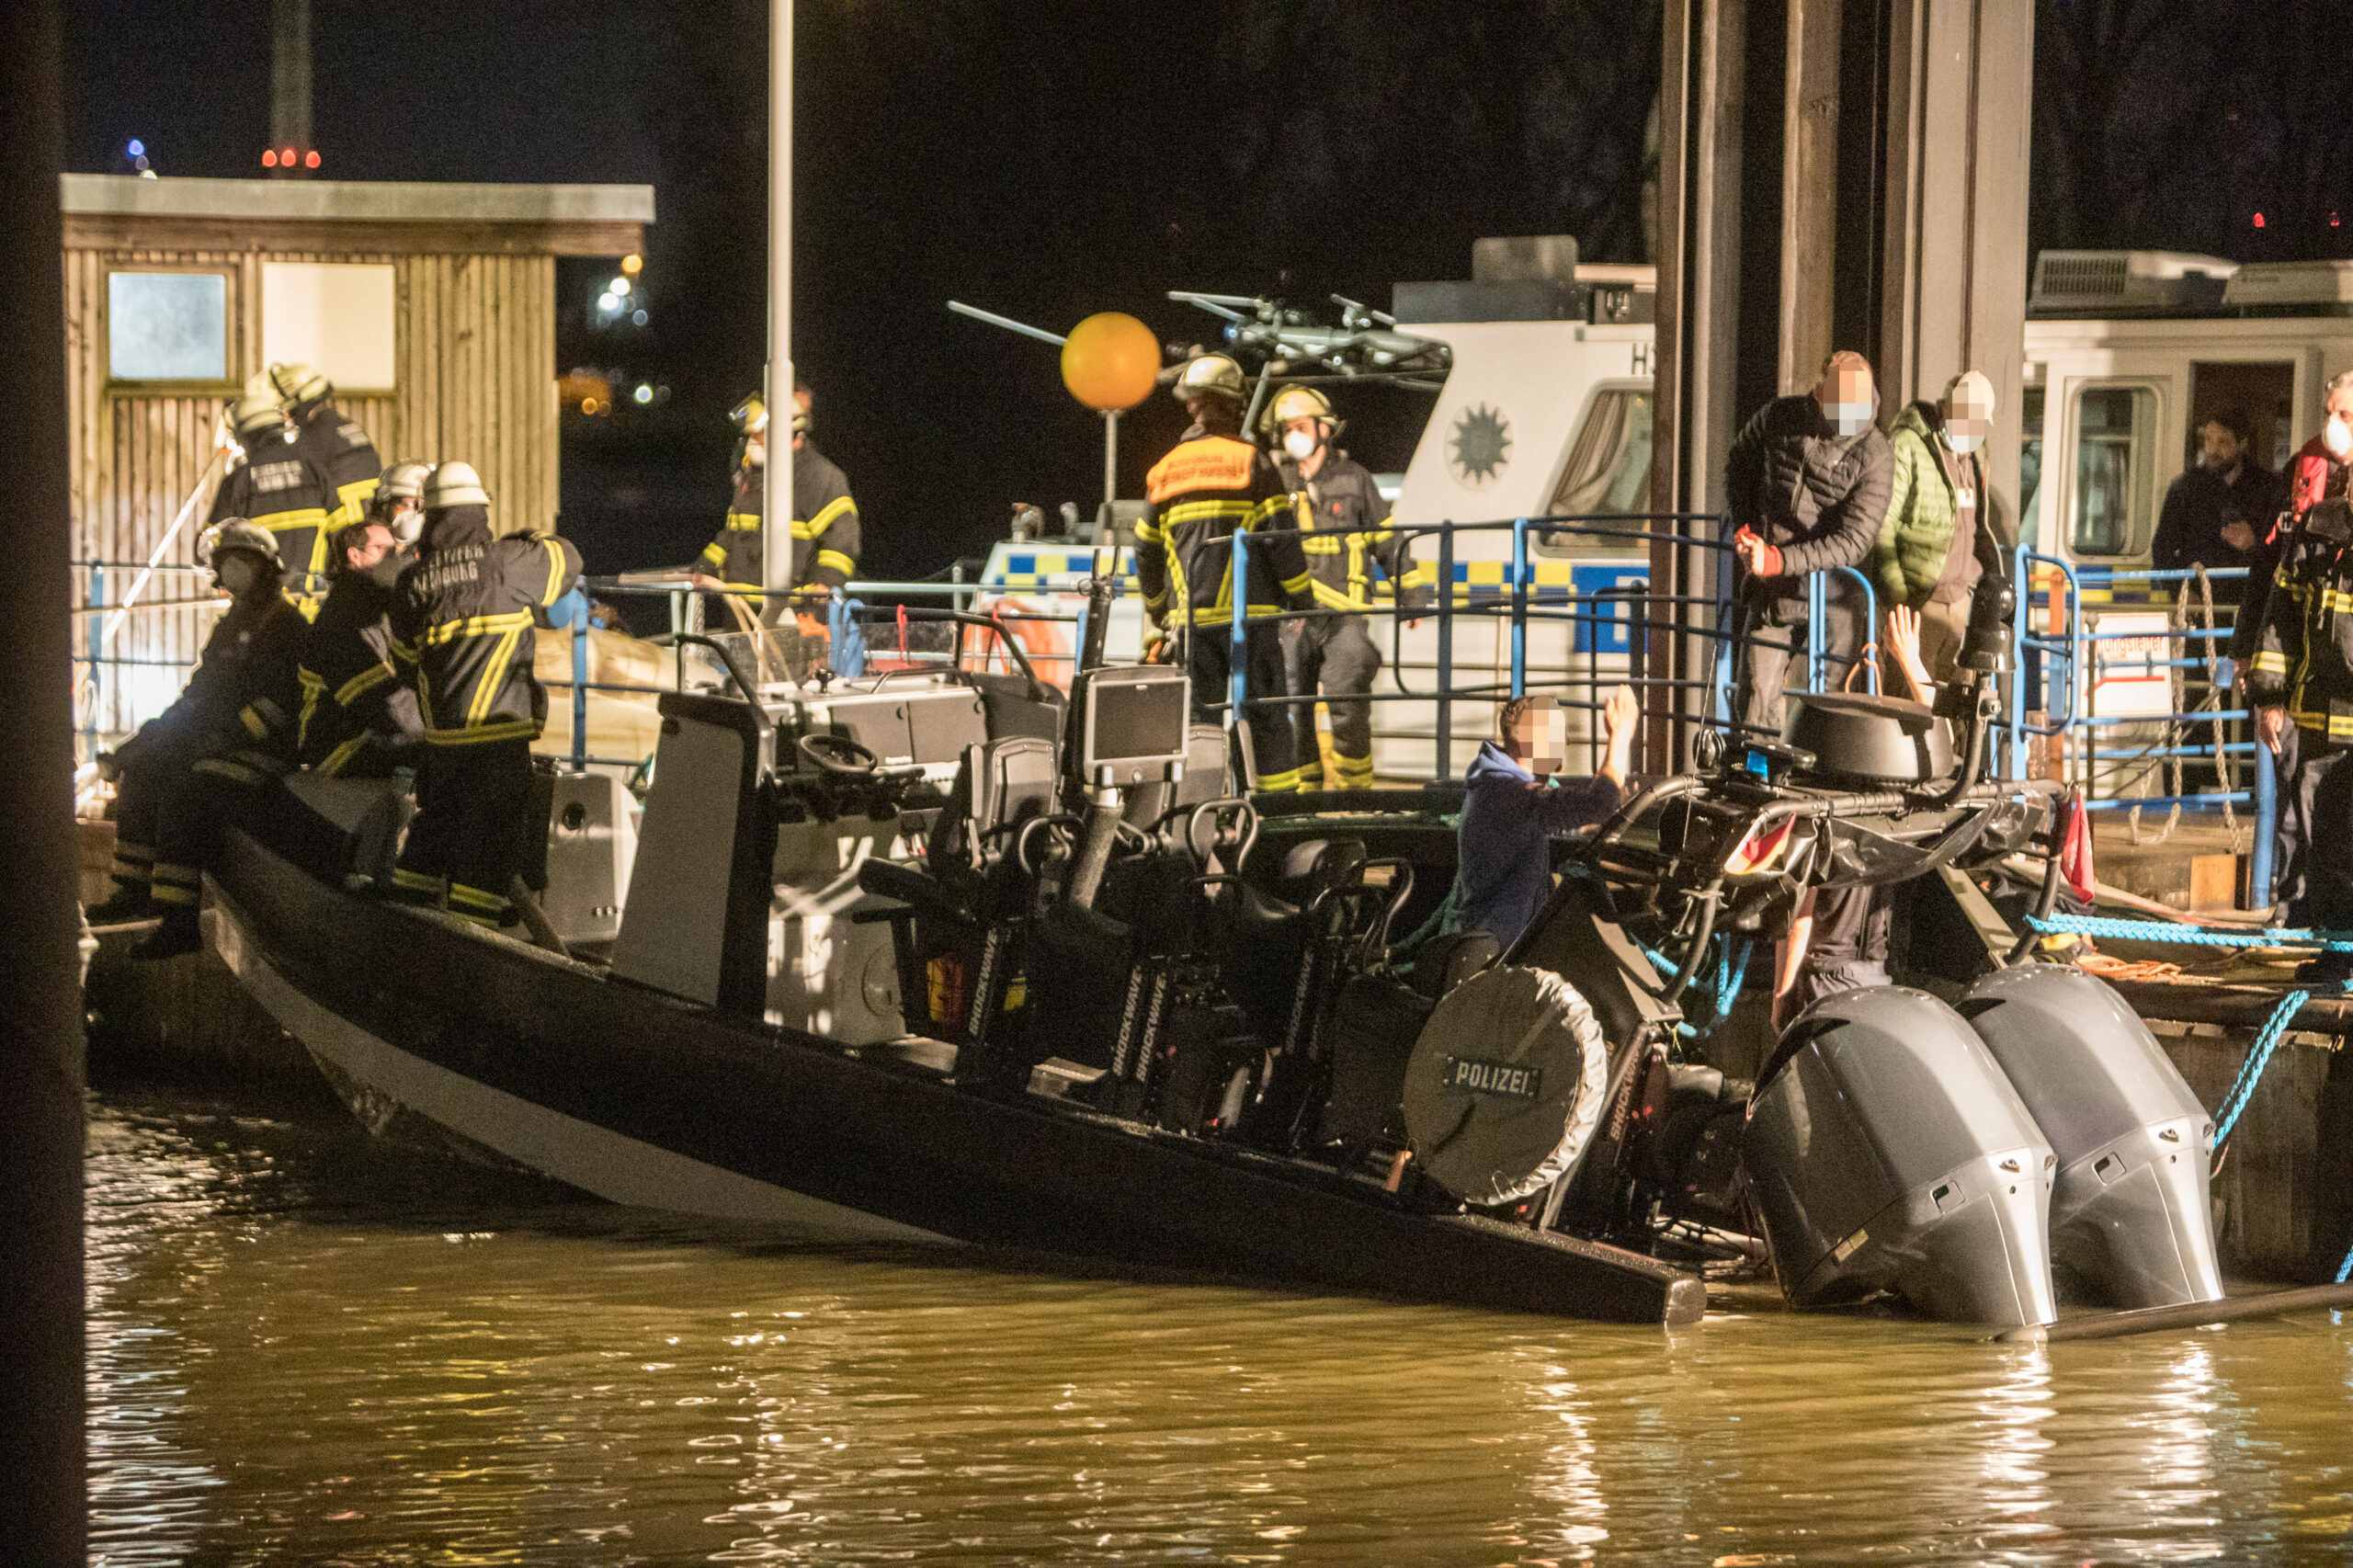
{"type": "Point", "coordinates": [1344, 519]}
{"type": "Point", "coordinates": [338, 445]}
{"type": "Point", "coordinates": [2301, 681]}
{"type": "Point", "coordinates": [735, 557]}
{"type": "Point", "coordinates": [277, 486]}
{"type": "Point", "coordinates": [462, 626]}
{"type": "Point", "coordinates": [398, 504]}
{"type": "Point", "coordinates": [356, 720]}
{"type": "Point", "coordinates": [229, 733]}
{"type": "Point", "coordinates": [1212, 484]}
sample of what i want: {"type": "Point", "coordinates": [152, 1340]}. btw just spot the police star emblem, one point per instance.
{"type": "Point", "coordinates": [1479, 445]}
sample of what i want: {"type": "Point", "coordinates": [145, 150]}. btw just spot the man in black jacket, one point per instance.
{"type": "Point", "coordinates": [463, 631]}
{"type": "Point", "coordinates": [1808, 481]}
{"type": "Point", "coordinates": [358, 721]}
{"type": "Point", "coordinates": [2220, 514]}
{"type": "Point", "coordinates": [277, 486]}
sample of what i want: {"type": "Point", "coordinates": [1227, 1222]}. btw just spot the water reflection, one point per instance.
{"type": "Point", "coordinates": [308, 1348]}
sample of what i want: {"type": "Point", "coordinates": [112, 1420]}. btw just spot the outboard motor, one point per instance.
{"type": "Point", "coordinates": [1888, 1152]}
{"type": "Point", "coordinates": [2130, 1213]}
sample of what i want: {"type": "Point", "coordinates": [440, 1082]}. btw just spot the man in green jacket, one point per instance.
{"type": "Point", "coordinates": [1926, 553]}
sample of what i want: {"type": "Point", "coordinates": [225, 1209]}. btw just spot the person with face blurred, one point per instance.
{"type": "Point", "coordinates": [1925, 556]}
{"type": "Point", "coordinates": [2219, 514]}
{"type": "Point", "coordinates": [1807, 479]}
{"type": "Point", "coordinates": [1513, 805]}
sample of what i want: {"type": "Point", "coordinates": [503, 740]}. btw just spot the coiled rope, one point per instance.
{"type": "Point", "coordinates": [2190, 935]}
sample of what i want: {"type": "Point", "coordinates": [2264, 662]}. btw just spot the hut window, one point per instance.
{"type": "Point", "coordinates": [168, 326]}
{"type": "Point", "coordinates": [336, 315]}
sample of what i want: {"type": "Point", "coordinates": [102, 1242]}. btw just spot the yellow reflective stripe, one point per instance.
{"type": "Point", "coordinates": [373, 676]}
{"type": "Point", "coordinates": [2270, 664]}
{"type": "Point", "coordinates": [340, 758]}
{"type": "Point", "coordinates": [460, 893]}
{"type": "Point", "coordinates": [221, 767]}
{"type": "Point", "coordinates": [1182, 513]}
{"type": "Point", "coordinates": [555, 572]}
{"type": "Point", "coordinates": [474, 626]}
{"type": "Point", "coordinates": [1336, 599]}
{"type": "Point", "coordinates": [405, 877]}
{"type": "Point", "coordinates": [313, 687]}
{"type": "Point", "coordinates": [1298, 584]}
{"type": "Point", "coordinates": [1286, 783]}
{"type": "Point", "coordinates": [713, 554]}
{"type": "Point", "coordinates": [292, 518]}
{"type": "Point", "coordinates": [836, 560]}
{"type": "Point", "coordinates": [830, 513]}
{"type": "Point", "coordinates": [254, 723]}
{"type": "Point", "coordinates": [1148, 532]}
{"type": "Point", "coordinates": [505, 730]}
{"type": "Point", "coordinates": [742, 523]}
{"type": "Point", "coordinates": [166, 893]}
{"type": "Point", "coordinates": [354, 495]}
{"type": "Point", "coordinates": [1323, 544]}
{"type": "Point", "coordinates": [492, 680]}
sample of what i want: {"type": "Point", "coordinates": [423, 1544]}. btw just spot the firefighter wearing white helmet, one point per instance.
{"type": "Point", "coordinates": [825, 527]}
{"type": "Point", "coordinates": [338, 445]}
{"type": "Point", "coordinates": [275, 486]}
{"type": "Point", "coordinates": [1213, 485]}
{"type": "Point", "coordinates": [462, 626]}
{"type": "Point", "coordinates": [1360, 563]}
{"type": "Point", "coordinates": [398, 500]}
{"type": "Point", "coordinates": [210, 757]}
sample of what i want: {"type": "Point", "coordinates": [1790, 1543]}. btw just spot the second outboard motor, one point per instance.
{"type": "Point", "coordinates": [1887, 1153]}
{"type": "Point", "coordinates": [2130, 1214]}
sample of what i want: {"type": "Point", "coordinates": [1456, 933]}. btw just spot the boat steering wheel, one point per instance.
{"type": "Point", "coordinates": [837, 755]}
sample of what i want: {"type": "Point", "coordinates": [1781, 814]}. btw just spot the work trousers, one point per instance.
{"type": "Point", "coordinates": [200, 806]}
{"type": "Point", "coordinates": [1771, 634]}
{"type": "Point", "coordinates": [152, 765]}
{"type": "Point", "coordinates": [1338, 651]}
{"type": "Point", "coordinates": [1209, 661]}
{"type": "Point", "coordinates": [473, 821]}
{"type": "Point", "coordinates": [2323, 801]}
{"type": "Point", "coordinates": [1849, 942]}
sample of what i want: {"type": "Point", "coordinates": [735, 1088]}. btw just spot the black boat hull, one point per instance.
{"type": "Point", "coordinates": [639, 1097]}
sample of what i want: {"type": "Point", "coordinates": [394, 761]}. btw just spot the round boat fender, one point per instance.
{"type": "Point", "coordinates": [1506, 1084]}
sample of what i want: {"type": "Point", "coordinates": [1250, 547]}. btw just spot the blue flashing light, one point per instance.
{"type": "Point", "coordinates": [137, 147]}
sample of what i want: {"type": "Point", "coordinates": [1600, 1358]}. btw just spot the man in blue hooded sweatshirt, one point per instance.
{"type": "Point", "coordinates": [1514, 807]}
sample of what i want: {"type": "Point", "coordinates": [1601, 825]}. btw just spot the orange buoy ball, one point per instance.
{"type": "Point", "coordinates": [1110, 360]}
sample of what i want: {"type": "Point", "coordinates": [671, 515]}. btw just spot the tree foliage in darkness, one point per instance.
{"type": "Point", "coordinates": [2170, 124]}
{"type": "Point", "coordinates": [1049, 158]}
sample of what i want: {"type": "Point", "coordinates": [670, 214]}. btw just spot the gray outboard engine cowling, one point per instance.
{"type": "Point", "coordinates": [1887, 1151]}
{"type": "Point", "coordinates": [2131, 1212]}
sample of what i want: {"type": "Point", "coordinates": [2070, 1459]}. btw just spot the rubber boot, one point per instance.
{"type": "Point", "coordinates": [132, 901]}
{"type": "Point", "coordinates": [178, 934]}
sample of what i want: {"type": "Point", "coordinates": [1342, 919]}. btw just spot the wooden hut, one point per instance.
{"type": "Point", "coordinates": [431, 307]}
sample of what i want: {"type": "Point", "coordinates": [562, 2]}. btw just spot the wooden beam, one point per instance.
{"type": "Point", "coordinates": [1809, 192]}
{"type": "Point", "coordinates": [127, 232]}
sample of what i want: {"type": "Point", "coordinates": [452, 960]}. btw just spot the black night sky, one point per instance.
{"type": "Point", "coordinates": [1048, 158]}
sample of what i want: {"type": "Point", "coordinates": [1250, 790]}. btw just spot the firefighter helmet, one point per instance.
{"type": "Point", "coordinates": [300, 383]}
{"type": "Point", "coordinates": [454, 484]}
{"type": "Point", "coordinates": [404, 482]}
{"type": "Point", "coordinates": [751, 416]}
{"type": "Point", "coordinates": [256, 415]}
{"type": "Point", "coordinates": [232, 534]}
{"type": "Point", "coordinates": [1208, 375]}
{"type": "Point", "coordinates": [1298, 402]}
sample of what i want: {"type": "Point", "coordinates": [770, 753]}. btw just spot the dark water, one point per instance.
{"type": "Point", "coordinates": [308, 1348]}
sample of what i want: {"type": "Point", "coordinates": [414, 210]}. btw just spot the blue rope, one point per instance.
{"type": "Point", "coordinates": [2345, 1269]}
{"type": "Point", "coordinates": [2191, 935]}
{"type": "Point", "coordinates": [1732, 972]}
{"type": "Point", "coordinates": [2258, 1057]}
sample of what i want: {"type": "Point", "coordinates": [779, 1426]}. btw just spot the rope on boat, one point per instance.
{"type": "Point", "coordinates": [2192, 935]}
{"type": "Point", "coordinates": [2258, 1057]}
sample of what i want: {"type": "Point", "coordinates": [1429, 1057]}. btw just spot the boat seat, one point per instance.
{"type": "Point", "coordinates": [351, 827]}
{"type": "Point", "coordinates": [999, 786]}
{"type": "Point", "coordinates": [1204, 780]}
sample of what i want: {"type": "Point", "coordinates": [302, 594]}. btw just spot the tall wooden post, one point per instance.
{"type": "Point", "coordinates": [1810, 193]}
{"type": "Point", "coordinates": [42, 1500]}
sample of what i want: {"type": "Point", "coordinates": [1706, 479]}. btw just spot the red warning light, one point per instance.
{"type": "Point", "coordinates": [311, 160]}
{"type": "Point", "coordinates": [286, 158]}
{"type": "Point", "coordinates": [269, 159]}
{"type": "Point", "coordinates": [2258, 220]}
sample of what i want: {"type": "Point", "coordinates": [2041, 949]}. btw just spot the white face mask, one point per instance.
{"type": "Point", "coordinates": [2336, 434]}
{"type": "Point", "coordinates": [408, 525]}
{"type": "Point", "coordinates": [1300, 443]}
{"type": "Point", "coordinates": [1963, 443]}
{"type": "Point", "coordinates": [237, 572]}
{"type": "Point", "coordinates": [1848, 418]}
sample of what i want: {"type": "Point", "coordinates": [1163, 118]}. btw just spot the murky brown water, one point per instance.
{"type": "Point", "coordinates": [306, 1348]}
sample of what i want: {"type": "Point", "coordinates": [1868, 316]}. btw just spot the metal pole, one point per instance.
{"type": "Point", "coordinates": [1445, 650]}
{"type": "Point", "coordinates": [98, 650]}
{"type": "Point", "coordinates": [44, 1503]}
{"type": "Point", "coordinates": [775, 528]}
{"type": "Point", "coordinates": [1110, 457]}
{"type": "Point", "coordinates": [1519, 607]}
{"type": "Point", "coordinates": [580, 681]}
{"type": "Point", "coordinates": [1237, 676]}
{"type": "Point", "coordinates": [2267, 818]}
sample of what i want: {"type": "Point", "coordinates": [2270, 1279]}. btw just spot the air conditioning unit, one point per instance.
{"type": "Point", "coordinates": [2103, 283]}
{"type": "Point", "coordinates": [2292, 288]}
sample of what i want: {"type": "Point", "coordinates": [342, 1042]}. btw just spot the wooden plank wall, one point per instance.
{"type": "Point", "coordinates": [474, 345]}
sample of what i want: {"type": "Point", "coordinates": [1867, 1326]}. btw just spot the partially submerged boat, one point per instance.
{"type": "Point", "coordinates": [940, 954]}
